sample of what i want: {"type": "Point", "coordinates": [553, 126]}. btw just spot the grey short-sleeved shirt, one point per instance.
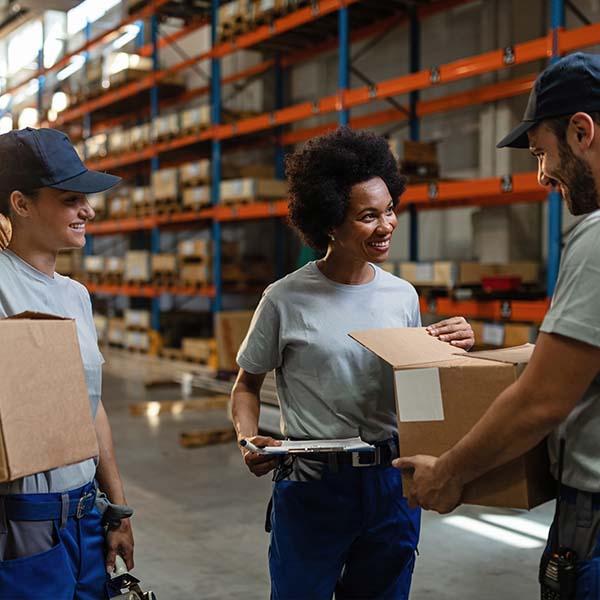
{"type": "Point", "coordinates": [329, 386]}
{"type": "Point", "coordinates": [23, 288]}
{"type": "Point", "coordinates": [575, 313]}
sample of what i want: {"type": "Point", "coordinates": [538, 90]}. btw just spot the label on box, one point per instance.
{"type": "Point", "coordinates": [493, 334]}
{"type": "Point", "coordinates": [419, 395]}
{"type": "Point", "coordinates": [424, 272]}
{"type": "Point", "coordinates": [187, 247]}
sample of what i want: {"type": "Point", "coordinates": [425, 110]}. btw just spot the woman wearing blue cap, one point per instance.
{"type": "Point", "coordinates": [59, 550]}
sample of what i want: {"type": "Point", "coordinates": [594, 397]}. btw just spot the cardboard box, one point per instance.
{"type": "Point", "coordinates": [116, 331]}
{"type": "Point", "coordinates": [137, 266]}
{"type": "Point", "coordinates": [165, 184]}
{"type": "Point", "coordinates": [420, 152]}
{"type": "Point", "coordinates": [139, 136]}
{"type": "Point", "coordinates": [93, 264]}
{"type": "Point", "coordinates": [68, 263]}
{"type": "Point", "coordinates": [195, 273]}
{"type": "Point", "coordinates": [166, 126]}
{"type": "Point", "coordinates": [97, 202]}
{"type": "Point", "coordinates": [230, 330]}
{"type": "Point", "coordinates": [503, 334]}
{"type": "Point", "coordinates": [196, 196]}
{"type": "Point", "coordinates": [96, 146]}
{"type": "Point", "coordinates": [471, 273]}
{"type": "Point", "coordinates": [164, 263]}
{"type": "Point", "coordinates": [119, 206]}
{"type": "Point", "coordinates": [141, 195]}
{"type": "Point", "coordinates": [45, 416]}
{"type": "Point", "coordinates": [101, 325]}
{"type": "Point", "coordinates": [196, 118]}
{"type": "Point", "coordinates": [114, 265]}
{"type": "Point", "coordinates": [253, 189]}
{"type": "Point", "coordinates": [441, 392]}
{"type": "Point", "coordinates": [198, 349]}
{"type": "Point", "coordinates": [195, 171]}
{"type": "Point", "coordinates": [138, 319]}
{"type": "Point", "coordinates": [137, 340]}
{"type": "Point", "coordinates": [197, 249]}
{"type": "Point", "coordinates": [437, 274]}
{"type": "Point", "coordinates": [118, 141]}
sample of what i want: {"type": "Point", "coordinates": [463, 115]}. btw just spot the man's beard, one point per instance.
{"type": "Point", "coordinates": [578, 178]}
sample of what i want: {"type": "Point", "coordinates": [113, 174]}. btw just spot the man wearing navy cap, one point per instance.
{"type": "Point", "coordinates": [558, 394]}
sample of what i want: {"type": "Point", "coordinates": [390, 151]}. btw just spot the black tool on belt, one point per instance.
{"type": "Point", "coordinates": [558, 567]}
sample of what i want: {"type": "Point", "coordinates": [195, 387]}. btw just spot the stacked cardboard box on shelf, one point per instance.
{"type": "Point", "coordinates": [93, 267]}
{"type": "Point", "coordinates": [119, 206]}
{"type": "Point", "coordinates": [165, 127]}
{"type": "Point", "coordinates": [451, 274]}
{"type": "Point", "coordinates": [419, 161]}
{"type": "Point", "coordinates": [101, 325]}
{"type": "Point", "coordinates": [165, 269]}
{"type": "Point", "coordinates": [195, 262]}
{"type": "Point", "coordinates": [116, 332]}
{"type": "Point", "coordinates": [118, 141]}
{"type": "Point", "coordinates": [252, 189]}
{"type": "Point", "coordinates": [139, 136]}
{"type": "Point", "coordinates": [200, 350]}
{"type": "Point", "coordinates": [98, 204]}
{"type": "Point", "coordinates": [499, 335]}
{"type": "Point", "coordinates": [113, 267]}
{"type": "Point", "coordinates": [230, 330]}
{"type": "Point", "coordinates": [165, 188]}
{"type": "Point", "coordinates": [68, 263]}
{"type": "Point", "coordinates": [137, 266]}
{"type": "Point", "coordinates": [137, 325]}
{"type": "Point", "coordinates": [195, 119]}
{"type": "Point", "coordinates": [142, 201]}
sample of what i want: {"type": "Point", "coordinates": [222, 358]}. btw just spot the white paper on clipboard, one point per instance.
{"type": "Point", "coordinates": [307, 446]}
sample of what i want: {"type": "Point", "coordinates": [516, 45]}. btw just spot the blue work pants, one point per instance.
{"type": "Point", "coordinates": [350, 533]}
{"type": "Point", "coordinates": [71, 568]}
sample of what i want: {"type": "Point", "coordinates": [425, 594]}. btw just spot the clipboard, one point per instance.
{"type": "Point", "coordinates": [355, 444]}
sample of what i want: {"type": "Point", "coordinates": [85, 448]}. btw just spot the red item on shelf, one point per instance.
{"type": "Point", "coordinates": [501, 283]}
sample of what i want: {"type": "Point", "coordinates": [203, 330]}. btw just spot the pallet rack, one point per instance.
{"type": "Point", "coordinates": [334, 17]}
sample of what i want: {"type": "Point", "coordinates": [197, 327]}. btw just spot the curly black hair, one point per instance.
{"type": "Point", "coordinates": [321, 175]}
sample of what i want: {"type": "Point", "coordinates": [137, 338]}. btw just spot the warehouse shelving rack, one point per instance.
{"type": "Point", "coordinates": [490, 191]}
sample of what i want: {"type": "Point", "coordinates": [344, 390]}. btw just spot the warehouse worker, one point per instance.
{"type": "Point", "coordinates": [558, 394]}
{"type": "Point", "coordinates": [336, 527]}
{"type": "Point", "coordinates": [52, 543]}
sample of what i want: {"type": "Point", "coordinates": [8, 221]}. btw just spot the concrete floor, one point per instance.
{"type": "Point", "coordinates": [199, 519]}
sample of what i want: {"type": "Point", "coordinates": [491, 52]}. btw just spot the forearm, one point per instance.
{"type": "Point", "coordinates": [107, 473]}
{"type": "Point", "coordinates": [245, 411]}
{"type": "Point", "coordinates": [516, 422]}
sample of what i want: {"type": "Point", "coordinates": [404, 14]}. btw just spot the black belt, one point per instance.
{"type": "Point", "coordinates": [385, 452]}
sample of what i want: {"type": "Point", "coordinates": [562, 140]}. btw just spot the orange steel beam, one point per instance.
{"type": "Point", "coordinates": [147, 11]}
{"type": "Point", "coordinates": [149, 291]}
{"type": "Point", "coordinates": [255, 210]}
{"type": "Point", "coordinates": [496, 310]}
{"type": "Point", "coordinates": [174, 37]}
{"type": "Point", "coordinates": [122, 225]}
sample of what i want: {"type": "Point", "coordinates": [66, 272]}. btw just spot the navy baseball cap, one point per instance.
{"type": "Point", "coordinates": [35, 158]}
{"type": "Point", "coordinates": [570, 85]}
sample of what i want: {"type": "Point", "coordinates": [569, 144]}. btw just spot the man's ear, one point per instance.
{"type": "Point", "coordinates": [582, 130]}
{"type": "Point", "coordinates": [20, 204]}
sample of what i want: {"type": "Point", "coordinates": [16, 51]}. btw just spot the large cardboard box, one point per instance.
{"type": "Point", "coordinates": [441, 392]}
{"type": "Point", "coordinates": [437, 273]}
{"type": "Point", "coordinates": [45, 416]}
{"type": "Point", "coordinates": [230, 330]}
{"type": "Point", "coordinates": [137, 266]}
{"type": "Point", "coordinates": [253, 189]}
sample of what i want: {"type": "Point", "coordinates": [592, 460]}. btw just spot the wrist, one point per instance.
{"type": "Point", "coordinates": [446, 469]}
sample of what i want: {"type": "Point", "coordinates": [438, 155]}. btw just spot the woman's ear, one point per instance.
{"type": "Point", "coordinates": [20, 204]}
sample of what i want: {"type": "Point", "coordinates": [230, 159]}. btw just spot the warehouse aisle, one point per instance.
{"type": "Point", "coordinates": [199, 519]}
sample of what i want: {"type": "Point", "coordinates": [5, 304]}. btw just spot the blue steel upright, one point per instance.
{"type": "Point", "coordinates": [557, 20]}
{"type": "Point", "coordinates": [343, 61]}
{"type": "Point", "coordinates": [215, 195]}
{"type": "Point", "coordinates": [154, 165]}
{"type": "Point", "coordinates": [415, 126]}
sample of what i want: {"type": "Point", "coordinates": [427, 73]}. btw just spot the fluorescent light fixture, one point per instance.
{"type": "Point", "coordinates": [5, 101]}
{"type": "Point", "coordinates": [131, 32]}
{"type": "Point", "coordinates": [6, 124]}
{"type": "Point", "coordinates": [520, 524]}
{"type": "Point", "coordinates": [76, 63]}
{"type": "Point", "coordinates": [60, 101]}
{"type": "Point", "coordinates": [492, 532]}
{"type": "Point", "coordinates": [28, 117]}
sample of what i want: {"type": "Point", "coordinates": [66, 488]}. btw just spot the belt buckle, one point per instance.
{"type": "Point", "coordinates": [81, 504]}
{"type": "Point", "coordinates": [375, 460]}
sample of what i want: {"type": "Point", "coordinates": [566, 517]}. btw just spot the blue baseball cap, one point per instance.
{"type": "Point", "coordinates": [35, 158]}
{"type": "Point", "coordinates": [570, 85]}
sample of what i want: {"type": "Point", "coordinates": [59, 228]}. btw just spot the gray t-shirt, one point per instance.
{"type": "Point", "coordinates": [329, 386]}
{"type": "Point", "coordinates": [23, 288]}
{"type": "Point", "coordinates": [575, 313]}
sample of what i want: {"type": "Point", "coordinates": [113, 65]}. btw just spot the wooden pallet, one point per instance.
{"type": "Point", "coordinates": [178, 406]}
{"type": "Point", "coordinates": [195, 206]}
{"type": "Point", "coordinates": [195, 285]}
{"type": "Point", "coordinates": [197, 128]}
{"type": "Point", "coordinates": [97, 278]}
{"type": "Point", "coordinates": [145, 209]}
{"type": "Point", "coordinates": [170, 353]}
{"type": "Point", "coordinates": [195, 182]}
{"type": "Point", "coordinates": [113, 278]}
{"type": "Point", "coordinates": [207, 437]}
{"type": "Point", "coordinates": [167, 206]}
{"type": "Point", "coordinates": [165, 279]}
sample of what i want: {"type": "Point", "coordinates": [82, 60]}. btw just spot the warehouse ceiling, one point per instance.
{"type": "Point", "coordinates": [15, 12]}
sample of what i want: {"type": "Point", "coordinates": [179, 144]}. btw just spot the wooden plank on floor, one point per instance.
{"type": "Point", "coordinates": [207, 437]}
{"type": "Point", "coordinates": [179, 406]}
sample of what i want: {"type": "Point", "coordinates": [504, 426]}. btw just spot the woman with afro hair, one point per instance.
{"type": "Point", "coordinates": [335, 528]}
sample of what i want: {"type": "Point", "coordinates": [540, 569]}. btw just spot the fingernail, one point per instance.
{"type": "Point", "coordinates": [443, 338]}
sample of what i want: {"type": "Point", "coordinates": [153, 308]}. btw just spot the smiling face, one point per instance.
{"type": "Point", "coordinates": [561, 168]}
{"type": "Point", "coordinates": [366, 232]}
{"type": "Point", "coordinates": [56, 219]}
